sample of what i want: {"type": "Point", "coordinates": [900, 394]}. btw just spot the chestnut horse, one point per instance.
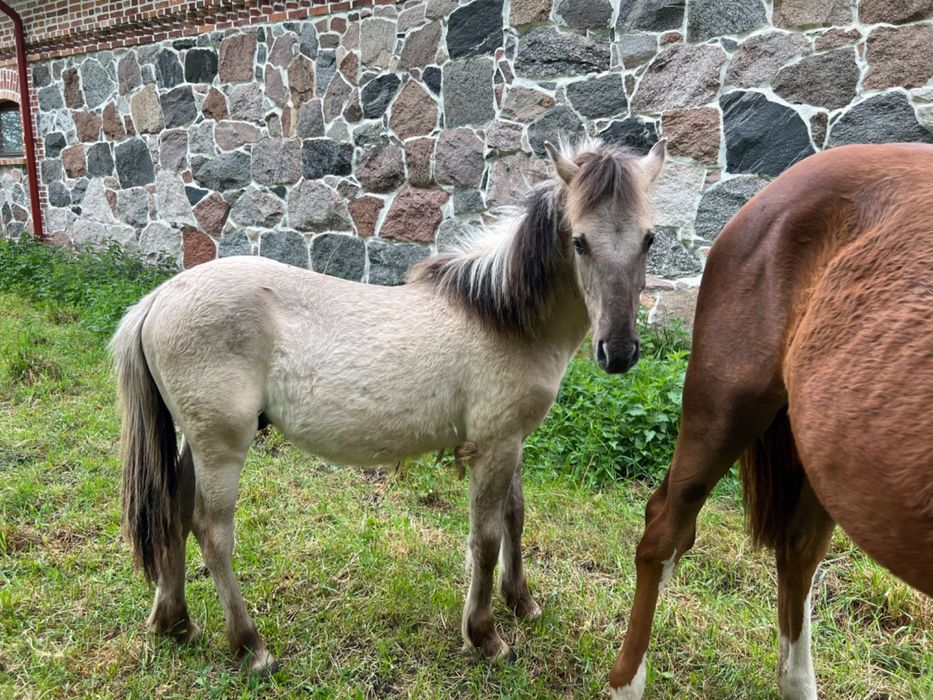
{"type": "Point", "coordinates": [812, 361]}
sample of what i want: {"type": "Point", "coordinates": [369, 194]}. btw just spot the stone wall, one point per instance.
{"type": "Point", "coordinates": [15, 214]}
{"type": "Point", "coordinates": [354, 143]}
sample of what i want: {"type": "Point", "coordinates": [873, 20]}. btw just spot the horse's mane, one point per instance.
{"type": "Point", "coordinates": [507, 277]}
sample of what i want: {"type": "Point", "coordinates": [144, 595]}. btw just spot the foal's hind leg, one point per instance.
{"type": "Point", "coordinates": [493, 470]}
{"type": "Point", "coordinates": [512, 582]}
{"type": "Point", "coordinates": [810, 529]}
{"type": "Point", "coordinates": [169, 611]}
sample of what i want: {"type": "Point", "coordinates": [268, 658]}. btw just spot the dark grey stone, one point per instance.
{"type": "Point", "coordinates": [133, 206]}
{"type": "Point", "coordinates": [598, 97]}
{"type": "Point", "coordinates": [556, 125]}
{"type": "Point", "coordinates": [885, 118]}
{"type": "Point", "coordinates": [41, 75]}
{"type": "Point", "coordinates": [178, 107]}
{"type": "Point", "coordinates": [78, 190]}
{"type": "Point", "coordinates": [762, 137]}
{"type": "Point", "coordinates": [722, 201]}
{"type": "Point", "coordinates": [635, 49]}
{"type": "Point", "coordinates": [338, 255]}
{"type": "Point", "coordinates": [468, 202]}
{"type": "Point", "coordinates": [371, 134]}
{"type": "Point", "coordinates": [285, 246]}
{"type": "Point", "coordinates": [827, 80]}
{"type": "Point", "coordinates": [99, 160]}
{"type": "Point", "coordinates": [134, 164]}
{"type": "Point", "coordinates": [651, 15]}
{"type": "Point", "coordinates": [97, 84]}
{"type": "Point", "coordinates": [711, 18]}
{"type": "Point", "coordinates": [228, 171]}
{"type": "Point", "coordinates": [389, 262]}
{"type": "Point", "coordinates": [59, 196]}
{"type": "Point", "coordinates": [432, 78]}
{"type": "Point", "coordinates": [669, 257]}
{"type": "Point", "coordinates": [51, 170]}
{"type": "Point", "coordinates": [634, 132]}
{"type": "Point", "coordinates": [307, 40]}
{"type": "Point", "coordinates": [50, 98]}
{"type": "Point", "coordinates": [324, 68]}
{"type": "Point", "coordinates": [168, 69]}
{"type": "Point", "coordinates": [377, 94]}
{"type": "Point", "coordinates": [545, 52]}
{"type": "Point", "coordinates": [257, 207]}
{"type": "Point", "coordinates": [310, 120]}
{"type": "Point", "coordinates": [585, 14]}
{"type": "Point", "coordinates": [468, 91]}
{"type": "Point", "coordinates": [475, 28]}
{"type": "Point", "coordinates": [322, 157]}
{"type": "Point", "coordinates": [54, 143]}
{"type": "Point", "coordinates": [200, 66]}
{"type": "Point", "coordinates": [195, 194]}
{"type": "Point", "coordinates": [182, 44]}
{"type": "Point", "coordinates": [234, 243]}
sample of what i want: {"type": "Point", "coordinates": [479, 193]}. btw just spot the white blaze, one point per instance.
{"type": "Point", "coordinates": [635, 689]}
{"type": "Point", "coordinates": [795, 670]}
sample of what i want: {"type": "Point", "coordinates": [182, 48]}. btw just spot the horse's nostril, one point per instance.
{"type": "Point", "coordinates": [602, 357]}
{"type": "Point", "coordinates": [636, 352]}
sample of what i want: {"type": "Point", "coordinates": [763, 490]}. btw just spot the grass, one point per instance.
{"type": "Point", "coordinates": [356, 579]}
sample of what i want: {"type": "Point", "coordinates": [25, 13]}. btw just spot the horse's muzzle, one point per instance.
{"type": "Point", "coordinates": [617, 357]}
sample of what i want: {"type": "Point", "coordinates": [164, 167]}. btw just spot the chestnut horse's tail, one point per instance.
{"type": "Point", "coordinates": [772, 479]}
{"type": "Point", "coordinates": [151, 516]}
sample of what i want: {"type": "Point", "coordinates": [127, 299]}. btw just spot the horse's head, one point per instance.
{"type": "Point", "coordinates": [608, 217]}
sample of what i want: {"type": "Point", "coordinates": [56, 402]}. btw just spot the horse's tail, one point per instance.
{"type": "Point", "coordinates": [151, 516]}
{"type": "Point", "coordinates": [772, 478]}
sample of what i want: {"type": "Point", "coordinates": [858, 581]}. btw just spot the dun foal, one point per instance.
{"type": "Point", "coordinates": [813, 361]}
{"type": "Point", "coordinates": [471, 352]}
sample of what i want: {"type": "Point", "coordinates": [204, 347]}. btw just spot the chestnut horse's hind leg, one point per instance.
{"type": "Point", "coordinates": [810, 529]}
{"type": "Point", "coordinates": [512, 582]}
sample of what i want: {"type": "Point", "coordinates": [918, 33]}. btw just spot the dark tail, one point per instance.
{"type": "Point", "coordinates": [772, 478]}
{"type": "Point", "coordinates": [151, 506]}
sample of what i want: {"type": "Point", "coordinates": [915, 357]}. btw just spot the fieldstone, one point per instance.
{"type": "Point", "coordinates": [283, 50]}
{"type": "Point", "coordinates": [453, 232]}
{"type": "Point", "coordinates": [377, 42]}
{"type": "Point", "coordinates": [301, 80]}
{"type": "Point", "coordinates": [195, 194]}
{"type": "Point", "coordinates": [147, 111]}
{"type": "Point", "coordinates": [420, 47]}
{"type": "Point", "coordinates": [325, 67]}
{"type": "Point", "coordinates": [307, 40]}
{"type": "Point", "coordinates": [418, 154]}
{"type": "Point", "coordinates": [634, 133]}
{"type": "Point", "coordinates": [257, 208]}
{"type": "Point", "coordinates": [73, 161]}
{"type": "Point", "coordinates": [96, 205]}
{"type": "Point", "coordinates": [365, 213]}
{"type": "Point", "coordinates": [158, 241]}
{"type": "Point", "coordinates": [511, 176]}
{"type": "Point", "coordinates": [675, 193]}
{"type": "Point", "coordinates": [681, 75]}
{"type": "Point", "coordinates": [41, 75]}
{"type": "Point", "coordinates": [350, 67]}
{"type": "Point", "coordinates": [197, 248]}
{"type": "Point", "coordinates": [246, 102]}
{"type": "Point", "coordinates": [178, 108]}
{"type": "Point", "coordinates": [230, 136]}
{"type": "Point", "coordinates": [276, 161]}
{"type": "Point", "coordinates": [693, 133]}
{"type": "Point", "coordinates": [99, 160]}
{"type": "Point", "coordinates": [504, 136]}
{"type": "Point", "coordinates": [370, 134]}
{"type": "Point", "coordinates": [310, 120]}
{"type": "Point", "coordinates": [211, 214]}
{"type": "Point", "coordinates": [54, 143]}
{"type": "Point", "coordinates": [432, 77]}
{"type": "Point", "coordinates": [201, 139]}
{"type": "Point", "coordinates": [96, 82]}
{"type": "Point", "coordinates": [322, 157]}
{"type": "Point", "coordinates": [759, 57]}
{"type": "Point", "coordinates": [200, 66]}
{"type": "Point", "coordinates": [87, 126]}
{"type": "Point", "coordinates": [381, 168]}
{"type": "Point", "coordinates": [377, 94]}
{"type": "Point", "coordinates": [598, 97]}
{"type": "Point", "coordinates": [51, 169]}
{"type": "Point", "coordinates": [215, 105]}
{"type": "Point", "coordinates": [227, 171]}
{"type": "Point", "coordinates": [474, 28]}
{"type": "Point", "coordinates": [669, 257]}
{"type": "Point", "coordinates": [468, 202]}
{"type": "Point", "coordinates": [128, 77]}
{"type": "Point", "coordinates": [546, 52]}
{"type": "Point", "coordinates": [899, 56]}
{"type": "Point", "coordinates": [112, 123]}
{"type": "Point", "coordinates": [826, 80]}
{"type": "Point", "coordinates": [560, 124]}
{"type": "Point", "coordinates": [94, 234]}
{"type": "Point", "coordinates": [414, 215]}
{"type": "Point", "coordinates": [762, 137]}
{"type": "Point", "coordinates": [59, 196]}
{"type": "Point", "coordinates": [650, 15]}
{"type": "Point", "coordinates": [706, 20]}
{"type": "Point", "coordinates": [459, 158]}
{"type": "Point", "coordinates": [410, 18]}
{"type": "Point", "coordinates": [236, 58]}
{"type": "Point", "coordinates": [313, 206]}
{"type": "Point", "coordinates": [885, 118]}
{"type": "Point", "coordinates": [836, 37]}
{"type": "Point", "coordinates": [468, 92]}
{"type": "Point", "coordinates": [414, 112]}
{"type": "Point", "coordinates": [677, 304]}
{"type": "Point", "coordinates": [171, 200]}
{"type": "Point", "coordinates": [234, 243]}
{"type": "Point", "coordinates": [335, 98]}
{"type": "Point", "coordinates": [71, 82]}
{"type": "Point", "coordinates": [50, 98]}
{"type": "Point", "coordinates": [818, 123]}
{"type": "Point", "coordinates": [584, 14]}
{"type": "Point", "coordinates": [168, 69]}
{"type": "Point", "coordinates": [528, 11]}
{"type": "Point", "coordinates": [78, 190]}
{"type": "Point", "coordinates": [523, 104]}
{"type": "Point", "coordinates": [389, 262]}
{"type": "Point", "coordinates": [811, 13]}
{"type": "Point", "coordinates": [636, 49]}
{"type": "Point", "coordinates": [339, 256]}
{"type": "Point", "coordinates": [720, 203]}
{"type": "Point", "coordinates": [133, 206]}
{"type": "Point", "coordinates": [894, 11]}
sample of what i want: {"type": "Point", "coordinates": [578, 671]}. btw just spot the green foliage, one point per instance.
{"type": "Point", "coordinates": [24, 358]}
{"type": "Point", "coordinates": [94, 287]}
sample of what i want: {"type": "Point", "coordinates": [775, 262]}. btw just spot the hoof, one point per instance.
{"type": "Point", "coordinates": [262, 663]}
{"type": "Point", "coordinates": [527, 610]}
{"type": "Point", "coordinates": [191, 632]}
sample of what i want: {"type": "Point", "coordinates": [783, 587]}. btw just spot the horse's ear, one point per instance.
{"type": "Point", "coordinates": [565, 167]}
{"type": "Point", "coordinates": [652, 162]}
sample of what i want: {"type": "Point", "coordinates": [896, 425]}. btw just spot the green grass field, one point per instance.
{"type": "Point", "coordinates": [356, 579]}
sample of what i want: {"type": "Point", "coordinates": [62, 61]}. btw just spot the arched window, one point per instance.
{"type": "Point", "coordinates": [11, 130]}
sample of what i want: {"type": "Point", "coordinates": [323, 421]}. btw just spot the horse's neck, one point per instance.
{"type": "Point", "coordinates": [565, 323]}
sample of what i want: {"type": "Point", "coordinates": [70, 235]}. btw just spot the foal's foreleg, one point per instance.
{"type": "Point", "coordinates": [810, 530]}
{"type": "Point", "coordinates": [493, 470]}
{"type": "Point", "coordinates": [512, 582]}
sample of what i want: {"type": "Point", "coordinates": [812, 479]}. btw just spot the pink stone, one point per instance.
{"type": "Point", "coordinates": [414, 215]}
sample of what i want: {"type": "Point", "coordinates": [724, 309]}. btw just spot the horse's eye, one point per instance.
{"type": "Point", "coordinates": [649, 239]}
{"type": "Point", "coordinates": [579, 244]}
